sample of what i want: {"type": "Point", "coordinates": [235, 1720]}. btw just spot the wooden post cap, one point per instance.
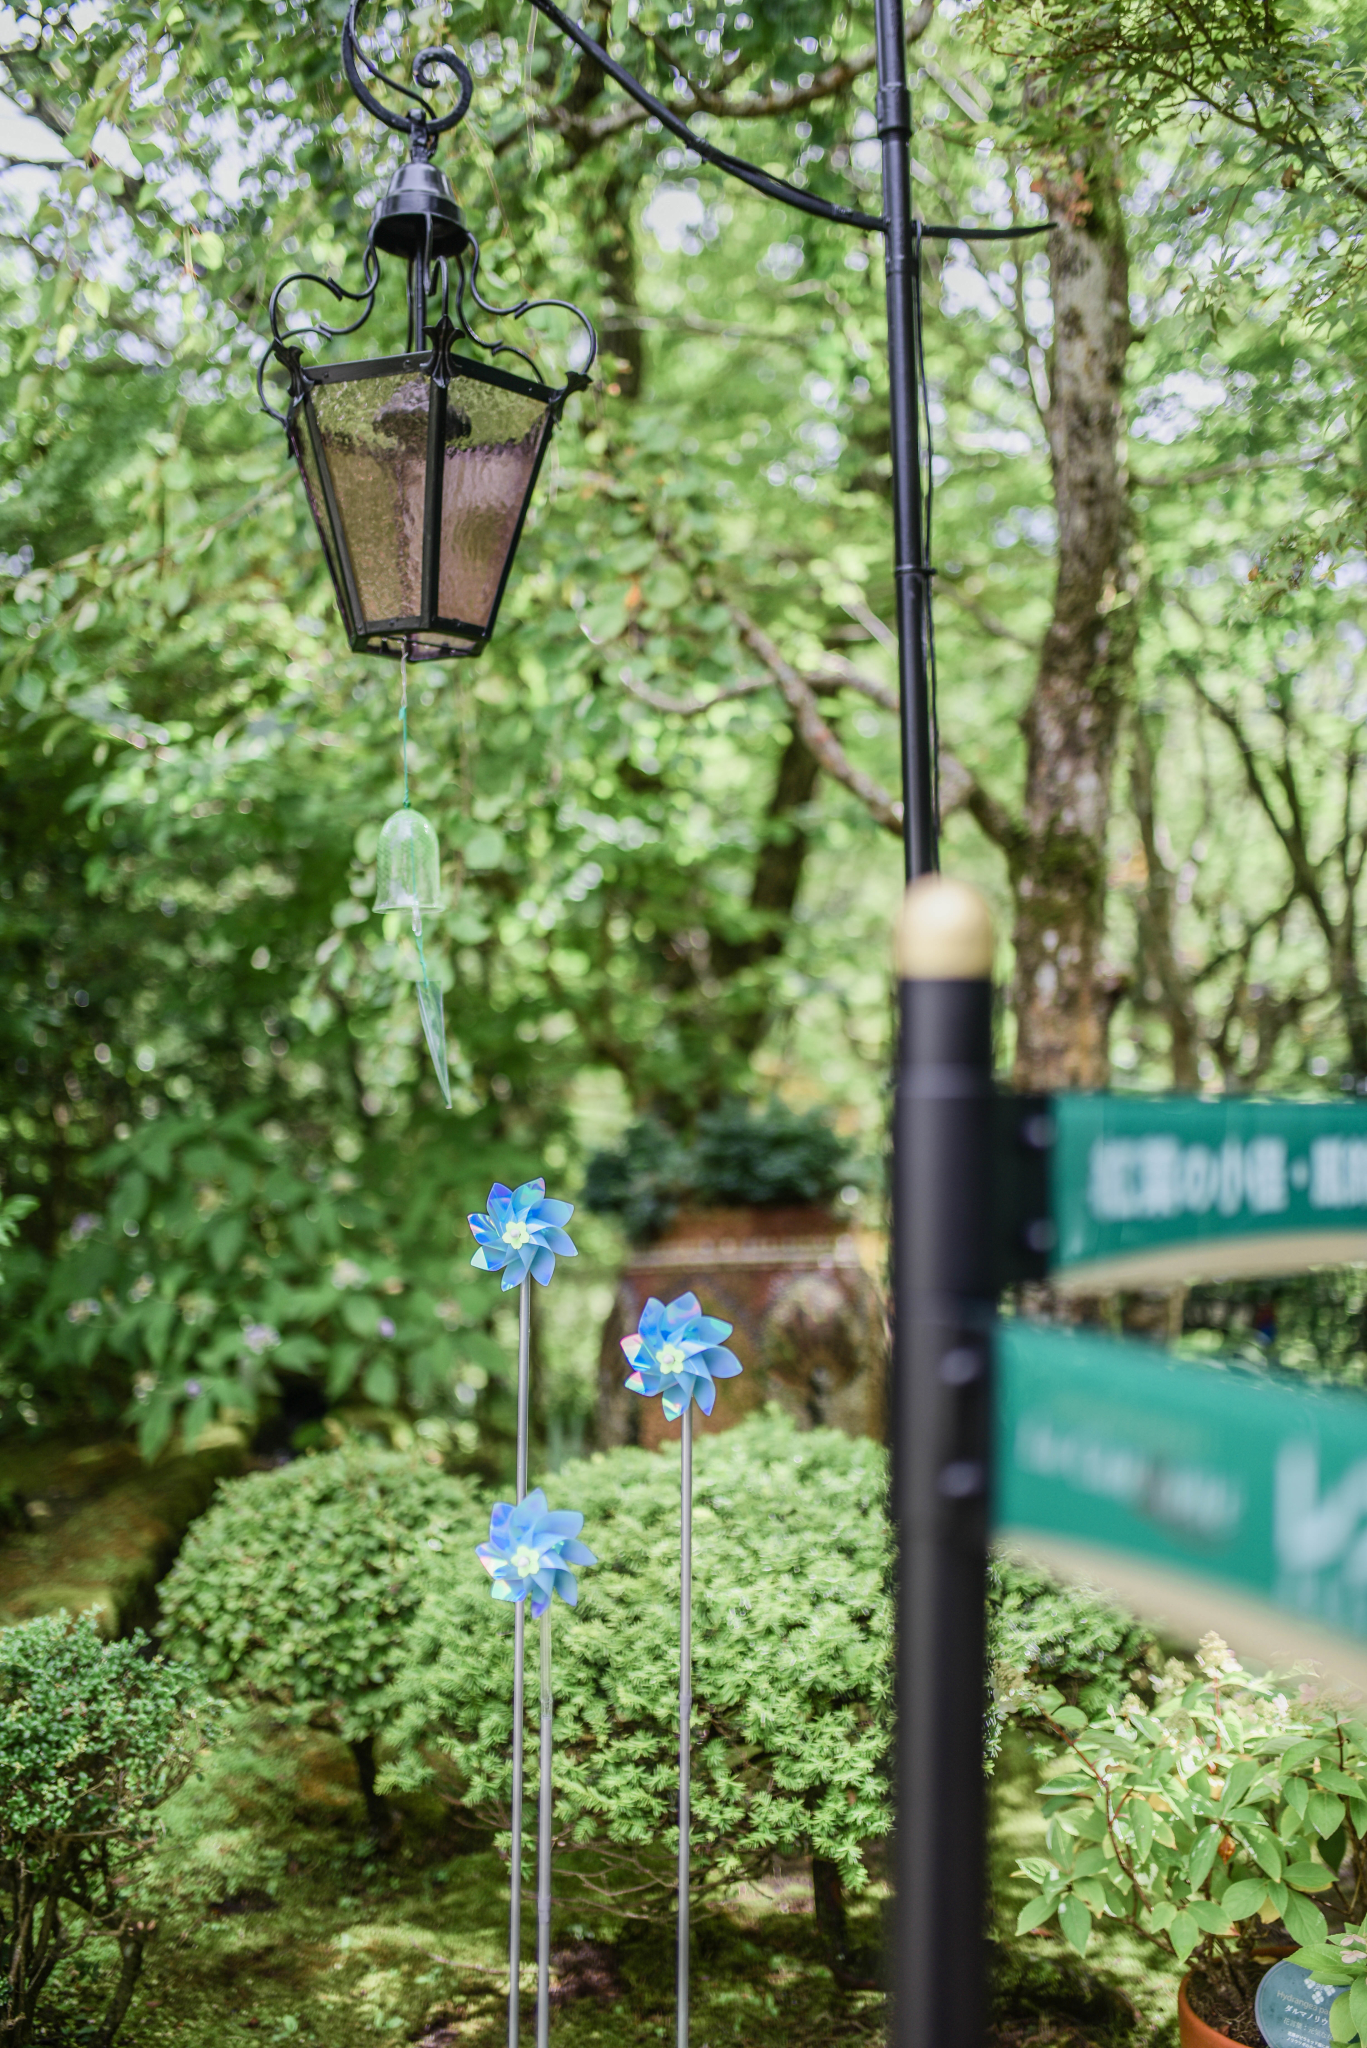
{"type": "Point", "coordinates": [944, 932]}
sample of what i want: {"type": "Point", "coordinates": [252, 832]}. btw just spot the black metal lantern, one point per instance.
{"type": "Point", "coordinates": [418, 467]}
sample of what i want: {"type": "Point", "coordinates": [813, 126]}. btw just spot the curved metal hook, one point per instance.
{"type": "Point", "coordinates": [515, 313]}
{"type": "Point", "coordinates": [421, 127]}
{"type": "Point", "coordinates": [365, 298]}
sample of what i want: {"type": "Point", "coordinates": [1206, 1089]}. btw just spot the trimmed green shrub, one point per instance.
{"type": "Point", "coordinates": [791, 1670]}
{"type": "Point", "coordinates": [740, 1156]}
{"type": "Point", "coordinates": [767, 1157]}
{"type": "Point", "coordinates": [298, 1587]}
{"type": "Point", "coordinates": [93, 1737]}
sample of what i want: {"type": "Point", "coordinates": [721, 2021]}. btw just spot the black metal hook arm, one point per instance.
{"type": "Point", "coordinates": [751, 174]}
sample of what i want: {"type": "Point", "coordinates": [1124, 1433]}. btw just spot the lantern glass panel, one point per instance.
{"type": "Point", "coordinates": [407, 864]}
{"type": "Point", "coordinates": [302, 443]}
{"type": "Point", "coordinates": [374, 436]}
{"type": "Point", "coordinates": [493, 444]}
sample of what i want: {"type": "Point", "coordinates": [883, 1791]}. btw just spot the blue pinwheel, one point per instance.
{"type": "Point", "coordinates": [531, 1550]}
{"type": "Point", "coordinates": [522, 1233]}
{"type": "Point", "coordinates": [678, 1353]}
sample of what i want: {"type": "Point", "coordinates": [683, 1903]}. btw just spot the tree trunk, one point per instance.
{"type": "Point", "coordinates": [853, 1969]}
{"type": "Point", "coordinates": [1058, 863]}
{"type": "Point", "coordinates": [131, 1947]}
{"type": "Point", "coordinates": [1157, 963]}
{"type": "Point", "coordinates": [379, 1812]}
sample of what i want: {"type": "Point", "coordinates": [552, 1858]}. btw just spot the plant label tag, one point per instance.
{"type": "Point", "coordinates": [1292, 2011]}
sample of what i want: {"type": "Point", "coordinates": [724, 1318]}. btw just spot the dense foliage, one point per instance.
{"type": "Point", "coordinates": [1069, 1638]}
{"type": "Point", "coordinates": [665, 885]}
{"type": "Point", "coordinates": [1232, 1801]}
{"type": "Point", "coordinates": [299, 1586]}
{"type": "Point", "coordinates": [739, 1156]}
{"type": "Point", "coordinates": [94, 1736]}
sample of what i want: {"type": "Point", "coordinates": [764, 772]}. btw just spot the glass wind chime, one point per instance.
{"type": "Point", "coordinates": [408, 877]}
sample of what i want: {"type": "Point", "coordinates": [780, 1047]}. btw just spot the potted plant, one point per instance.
{"type": "Point", "coordinates": [745, 1213]}
{"type": "Point", "coordinates": [1219, 1823]}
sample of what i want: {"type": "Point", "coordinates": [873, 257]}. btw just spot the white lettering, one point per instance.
{"type": "Point", "coordinates": [1133, 1180]}
{"type": "Point", "coordinates": [1338, 1173]}
{"type": "Point", "coordinates": [1311, 1530]}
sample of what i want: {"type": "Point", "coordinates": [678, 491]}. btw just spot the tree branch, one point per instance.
{"type": "Point", "coordinates": [1242, 465]}
{"type": "Point", "coordinates": [584, 134]}
{"type": "Point", "coordinates": [800, 697]}
{"type": "Point", "coordinates": [690, 707]}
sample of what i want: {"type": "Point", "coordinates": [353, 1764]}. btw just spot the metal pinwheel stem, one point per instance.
{"type": "Point", "coordinates": [521, 1235]}
{"type": "Point", "coordinates": [678, 1353]}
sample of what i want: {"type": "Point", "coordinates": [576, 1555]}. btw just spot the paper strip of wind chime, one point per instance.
{"type": "Point", "coordinates": [408, 877]}
{"type": "Point", "coordinates": [530, 1549]}
{"type": "Point", "coordinates": [678, 1353]}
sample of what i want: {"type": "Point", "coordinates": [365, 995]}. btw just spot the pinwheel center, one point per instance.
{"type": "Point", "coordinates": [515, 1235]}
{"type": "Point", "coordinates": [526, 1560]}
{"type": "Point", "coordinates": [670, 1357]}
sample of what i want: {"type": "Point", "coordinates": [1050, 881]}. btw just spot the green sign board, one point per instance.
{"type": "Point", "coordinates": [1215, 1498]}
{"type": "Point", "coordinates": [1152, 1189]}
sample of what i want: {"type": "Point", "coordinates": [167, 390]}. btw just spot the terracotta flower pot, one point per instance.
{"type": "Point", "coordinates": [809, 1326]}
{"type": "Point", "coordinates": [1194, 2033]}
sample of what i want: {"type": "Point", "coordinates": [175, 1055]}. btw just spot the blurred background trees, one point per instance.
{"type": "Point", "coordinates": [666, 795]}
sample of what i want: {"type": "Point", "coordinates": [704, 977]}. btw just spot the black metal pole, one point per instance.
{"type": "Point", "coordinates": [910, 570]}
{"type": "Point", "coordinates": [943, 1258]}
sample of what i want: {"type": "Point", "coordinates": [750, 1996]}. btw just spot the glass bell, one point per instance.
{"type": "Point", "coordinates": [407, 864]}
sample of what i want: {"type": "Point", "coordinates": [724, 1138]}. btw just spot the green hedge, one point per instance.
{"type": "Point", "coordinates": [790, 1674]}
{"type": "Point", "coordinates": [299, 1586]}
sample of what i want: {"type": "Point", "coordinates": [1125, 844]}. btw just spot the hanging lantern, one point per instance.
{"type": "Point", "coordinates": [407, 864]}
{"type": "Point", "coordinates": [418, 468]}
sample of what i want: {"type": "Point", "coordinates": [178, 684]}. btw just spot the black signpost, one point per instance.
{"type": "Point", "coordinates": [941, 1421]}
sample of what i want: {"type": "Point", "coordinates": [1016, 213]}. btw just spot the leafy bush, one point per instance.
{"type": "Point", "coordinates": [740, 1157]}
{"type": "Point", "coordinates": [93, 1737]}
{"type": "Point", "coordinates": [1070, 1637]}
{"type": "Point", "coordinates": [642, 1180]}
{"type": "Point", "coordinates": [299, 1586]}
{"type": "Point", "coordinates": [790, 1677]}
{"type": "Point", "coordinates": [1230, 1804]}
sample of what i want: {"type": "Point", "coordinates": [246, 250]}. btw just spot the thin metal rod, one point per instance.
{"type": "Point", "coordinates": [524, 1379]}
{"type": "Point", "coordinates": [911, 573]}
{"type": "Point", "coordinates": [685, 1711]}
{"type": "Point", "coordinates": [515, 1856]}
{"type": "Point", "coordinates": [524, 1352]}
{"type": "Point", "coordinates": [543, 1848]}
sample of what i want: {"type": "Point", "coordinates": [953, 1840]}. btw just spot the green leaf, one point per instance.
{"type": "Point", "coordinates": [226, 1240]}
{"type": "Point", "coordinates": [1244, 1898]}
{"type": "Point", "coordinates": [1324, 1813]}
{"type": "Point", "coordinates": [1341, 2026]}
{"type": "Point", "coordinates": [1184, 1934]}
{"type": "Point", "coordinates": [1076, 1924]}
{"type": "Point", "coordinates": [1309, 1877]}
{"type": "Point", "coordinates": [1203, 1855]}
{"type": "Point", "coordinates": [1035, 1913]}
{"type": "Point", "coordinates": [1304, 1922]}
{"type": "Point", "coordinates": [1356, 2002]}
{"type": "Point", "coordinates": [1140, 1816]}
